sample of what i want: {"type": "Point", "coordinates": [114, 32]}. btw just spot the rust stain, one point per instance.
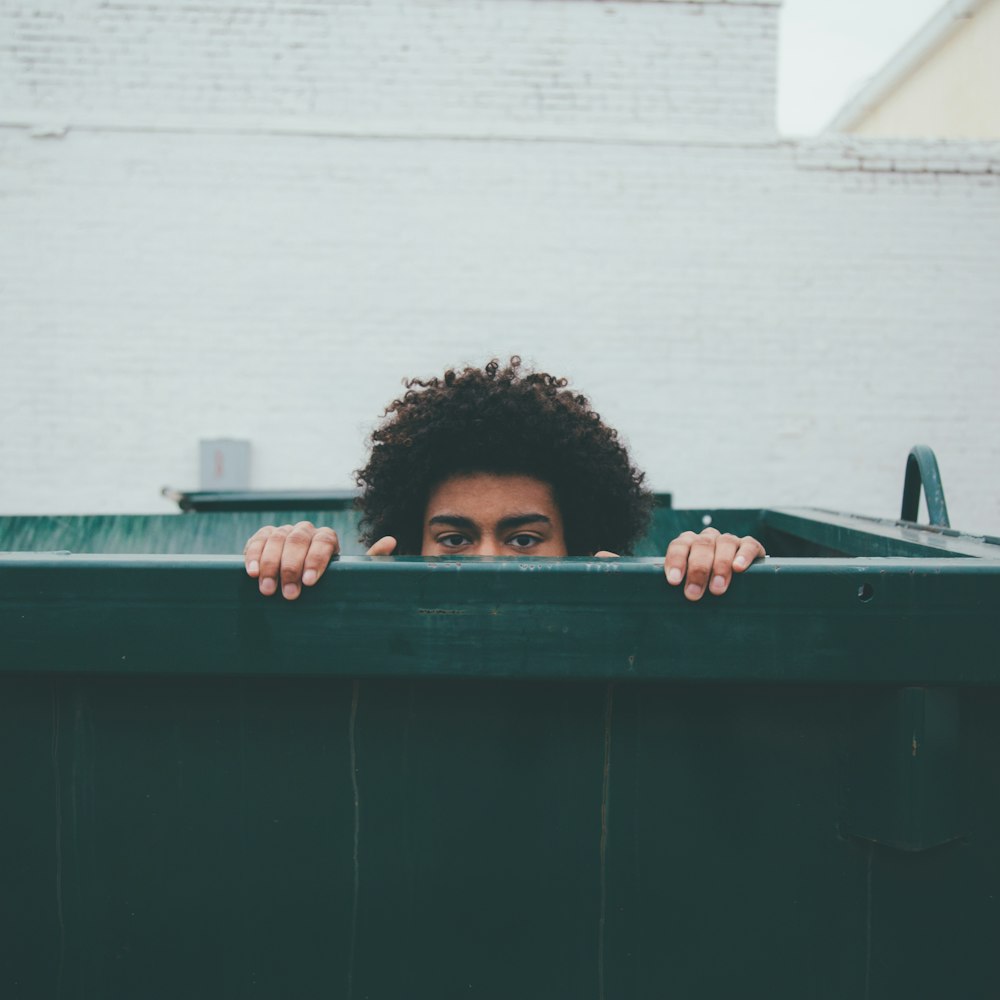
{"type": "Point", "coordinates": [915, 744]}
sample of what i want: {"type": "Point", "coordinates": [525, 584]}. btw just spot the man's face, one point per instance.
{"type": "Point", "coordinates": [484, 514]}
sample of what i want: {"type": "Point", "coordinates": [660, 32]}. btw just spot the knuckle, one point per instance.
{"type": "Point", "coordinates": [299, 536]}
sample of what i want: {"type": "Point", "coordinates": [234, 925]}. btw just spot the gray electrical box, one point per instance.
{"type": "Point", "coordinates": [225, 464]}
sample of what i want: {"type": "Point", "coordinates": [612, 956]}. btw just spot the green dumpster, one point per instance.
{"type": "Point", "coordinates": [499, 778]}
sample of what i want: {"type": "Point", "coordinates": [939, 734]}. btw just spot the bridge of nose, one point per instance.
{"type": "Point", "coordinates": [488, 547]}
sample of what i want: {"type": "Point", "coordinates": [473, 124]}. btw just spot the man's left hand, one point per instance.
{"type": "Point", "coordinates": [708, 560]}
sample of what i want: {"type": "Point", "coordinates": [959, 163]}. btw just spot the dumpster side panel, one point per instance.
{"type": "Point", "coordinates": [725, 813]}
{"type": "Point", "coordinates": [221, 837]}
{"type": "Point", "coordinates": [528, 778]}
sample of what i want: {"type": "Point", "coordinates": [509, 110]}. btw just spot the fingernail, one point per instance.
{"type": "Point", "coordinates": [718, 584]}
{"type": "Point", "coordinates": [267, 586]}
{"type": "Point", "coordinates": [309, 577]}
{"type": "Point", "coordinates": [289, 591]}
{"type": "Point", "coordinates": [692, 590]}
{"type": "Point", "coordinates": [253, 568]}
{"type": "Point", "coordinates": [739, 562]}
{"type": "Point", "coordinates": [674, 575]}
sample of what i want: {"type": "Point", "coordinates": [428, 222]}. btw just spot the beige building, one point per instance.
{"type": "Point", "coordinates": [944, 84]}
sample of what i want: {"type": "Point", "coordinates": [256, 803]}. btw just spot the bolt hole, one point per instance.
{"type": "Point", "coordinates": [866, 592]}
{"type": "Point", "coordinates": [706, 520]}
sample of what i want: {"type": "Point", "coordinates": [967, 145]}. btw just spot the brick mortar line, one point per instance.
{"type": "Point", "coordinates": [58, 131]}
{"type": "Point", "coordinates": [936, 161]}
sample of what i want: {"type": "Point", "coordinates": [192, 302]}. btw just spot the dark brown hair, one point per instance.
{"type": "Point", "coordinates": [502, 420]}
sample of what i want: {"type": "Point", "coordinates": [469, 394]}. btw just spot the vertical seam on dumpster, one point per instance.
{"type": "Point", "coordinates": [351, 730]}
{"type": "Point", "coordinates": [58, 784]}
{"type": "Point", "coordinates": [868, 922]}
{"type": "Point", "coordinates": [605, 795]}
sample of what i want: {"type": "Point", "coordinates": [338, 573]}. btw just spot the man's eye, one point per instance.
{"type": "Point", "coordinates": [452, 541]}
{"type": "Point", "coordinates": [523, 541]}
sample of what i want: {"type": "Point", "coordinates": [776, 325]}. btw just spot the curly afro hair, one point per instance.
{"type": "Point", "coordinates": [504, 420]}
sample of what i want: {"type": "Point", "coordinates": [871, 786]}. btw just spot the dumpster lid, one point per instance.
{"type": "Point", "coordinates": [234, 500]}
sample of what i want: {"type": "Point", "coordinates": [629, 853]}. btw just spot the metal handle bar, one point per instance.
{"type": "Point", "coordinates": [922, 470]}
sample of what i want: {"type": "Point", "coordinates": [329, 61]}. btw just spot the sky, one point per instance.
{"type": "Point", "coordinates": [830, 48]}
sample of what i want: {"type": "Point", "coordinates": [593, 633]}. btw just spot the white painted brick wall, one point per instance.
{"type": "Point", "coordinates": [453, 66]}
{"type": "Point", "coordinates": [768, 322]}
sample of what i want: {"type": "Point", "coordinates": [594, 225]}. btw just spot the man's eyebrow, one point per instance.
{"type": "Point", "coordinates": [505, 524]}
{"type": "Point", "coordinates": [520, 520]}
{"type": "Point", "coordinates": [454, 520]}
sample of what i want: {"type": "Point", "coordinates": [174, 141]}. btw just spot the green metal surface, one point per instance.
{"type": "Point", "coordinates": [905, 785]}
{"type": "Point", "coordinates": [922, 473]}
{"type": "Point", "coordinates": [214, 501]}
{"type": "Point", "coordinates": [220, 523]}
{"type": "Point", "coordinates": [218, 534]}
{"type": "Point", "coordinates": [798, 532]}
{"type": "Point", "coordinates": [863, 621]}
{"type": "Point", "coordinates": [500, 778]}
{"type": "Point", "coordinates": [810, 532]}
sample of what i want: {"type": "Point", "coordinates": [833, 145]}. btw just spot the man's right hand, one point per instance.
{"type": "Point", "coordinates": [297, 554]}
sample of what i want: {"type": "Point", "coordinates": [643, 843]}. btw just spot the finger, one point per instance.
{"type": "Point", "coordinates": [293, 558]}
{"type": "Point", "coordinates": [699, 564]}
{"type": "Point", "coordinates": [675, 561]}
{"type": "Point", "coordinates": [270, 559]}
{"type": "Point", "coordinates": [254, 547]}
{"type": "Point", "coordinates": [749, 550]}
{"type": "Point", "coordinates": [726, 547]}
{"type": "Point", "coordinates": [324, 546]}
{"type": "Point", "coordinates": [383, 547]}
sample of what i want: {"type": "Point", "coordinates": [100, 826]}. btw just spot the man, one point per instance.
{"type": "Point", "coordinates": [497, 461]}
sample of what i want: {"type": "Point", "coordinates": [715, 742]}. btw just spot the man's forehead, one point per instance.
{"type": "Point", "coordinates": [508, 520]}
{"type": "Point", "coordinates": [482, 496]}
